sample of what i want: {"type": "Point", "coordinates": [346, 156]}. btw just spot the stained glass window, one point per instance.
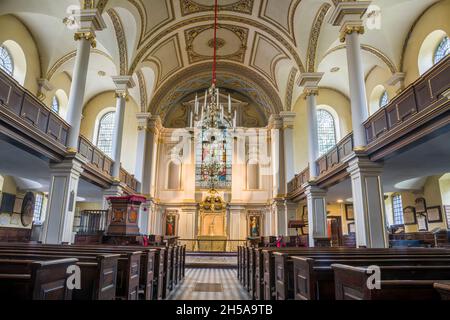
{"type": "Point", "coordinates": [326, 130]}
{"type": "Point", "coordinates": [38, 208]}
{"type": "Point", "coordinates": [442, 50]}
{"type": "Point", "coordinates": [384, 99]}
{"type": "Point", "coordinates": [397, 208]}
{"type": "Point", "coordinates": [105, 133]}
{"type": "Point", "coordinates": [6, 61]}
{"type": "Point", "coordinates": [55, 104]}
{"type": "Point", "coordinates": [213, 158]}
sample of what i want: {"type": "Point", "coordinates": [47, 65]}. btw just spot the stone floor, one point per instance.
{"type": "Point", "coordinates": [212, 261]}
{"type": "Point", "coordinates": [210, 284]}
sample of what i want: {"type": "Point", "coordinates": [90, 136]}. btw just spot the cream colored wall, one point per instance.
{"type": "Point", "coordinates": [129, 143]}
{"type": "Point", "coordinates": [444, 184]}
{"type": "Point", "coordinates": [332, 98]}
{"type": "Point", "coordinates": [436, 18]}
{"type": "Point", "coordinates": [13, 29]}
{"type": "Point", "coordinates": [378, 76]}
{"type": "Point", "coordinates": [59, 81]}
{"type": "Point", "coordinates": [432, 194]}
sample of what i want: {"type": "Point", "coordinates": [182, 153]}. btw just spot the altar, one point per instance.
{"type": "Point", "coordinates": [212, 235]}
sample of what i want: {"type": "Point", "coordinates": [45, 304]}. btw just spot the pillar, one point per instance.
{"type": "Point", "coordinates": [123, 83]}
{"type": "Point", "coordinates": [89, 21]}
{"type": "Point", "coordinates": [142, 119]}
{"type": "Point", "coordinates": [154, 127]}
{"type": "Point", "coordinates": [310, 83]}
{"type": "Point", "coordinates": [317, 212]}
{"type": "Point", "coordinates": [288, 144]}
{"type": "Point", "coordinates": [348, 15]}
{"type": "Point", "coordinates": [368, 202]}
{"type": "Point", "coordinates": [64, 177]}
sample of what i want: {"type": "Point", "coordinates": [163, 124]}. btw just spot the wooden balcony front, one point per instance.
{"type": "Point", "coordinates": [420, 111]}
{"type": "Point", "coordinates": [31, 125]}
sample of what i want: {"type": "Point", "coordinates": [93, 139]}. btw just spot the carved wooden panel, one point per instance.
{"type": "Point", "coordinates": [379, 124]}
{"type": "Point", "coordinates": [322, 163]}
{"type": "Point", "coordinates": [5, 88]}
{"type": "Point", "coordinates": [406, 105]}
{"type": "Point", "coordinates": [391, 115]}
{"type": "Point", "coordinates": [43, 118]}
{"type": "Point", "coordinates": [439, 80]}
{"type": "Point", "coordinates": [54, 127]}
{"type": "Point", "coordinates": [30, 111]}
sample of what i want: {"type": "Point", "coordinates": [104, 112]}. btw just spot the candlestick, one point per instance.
{"type": "Point", "coordinates": [229, 104]}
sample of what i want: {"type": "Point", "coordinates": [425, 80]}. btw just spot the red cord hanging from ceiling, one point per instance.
{"type": "Point", "coordinates": [216, 11]}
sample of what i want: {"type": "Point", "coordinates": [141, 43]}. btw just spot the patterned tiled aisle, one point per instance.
{"type": "Point", "coordinates": [210, 284]}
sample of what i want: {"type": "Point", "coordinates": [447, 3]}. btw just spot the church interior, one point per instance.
{"type": "Point", "coordinates": [224, 149]}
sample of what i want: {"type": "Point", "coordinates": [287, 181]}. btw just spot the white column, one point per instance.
{"type": "Point", "coordinates": [348, 15]}
{"type": "Point", "coordinates": [142, 119]}
{"type": "Point", "coordinates": [368, 202]}
{"type": "Point", "coordinates": [122, 84]}
{"type": "Point", "coordinates": [277, 154]}
{"type": "Point", "coordinates": [236, 227]}
{"type": "Point", "coordinates": [291, 214]}
{"type": "Point", "coordinates": [310, 83]}
{"type": "Point", "coordinates": [317, 213]}
{"type": "Point", "coordinates": [58, 225]}
{"type": "Point", "coordinates": [89, 22]}
{"type": "Point", "coordinates": [288, 144]}
{"type": "Point", "coordinates": [144, 219]}
{"type": "Point", "coordinates": [151, 153]}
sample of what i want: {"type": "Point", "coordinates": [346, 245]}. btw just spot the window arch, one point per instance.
{"type": "Point", "coordinates": [397, 209]}
{"type": "Point", "coordinates": [442, 50]}
{"type": "Point", "coordinates": [6, 61]}
{"type": "Point", "coordinates": [326, 129]}
{"type": "Point", "coordinates": [105, 133]}
{"type": "Point", "coordinates": [55, 104]}
{"type": "Point", "coordinates": [384, 99]}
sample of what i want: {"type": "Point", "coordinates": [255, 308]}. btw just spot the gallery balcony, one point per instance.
{"type": "Point", "coordinates": [30, 125]}
{"type": "Point", "coordinates": [420, 112]}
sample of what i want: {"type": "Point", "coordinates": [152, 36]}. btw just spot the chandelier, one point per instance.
{"type": "Point", "coordinates": [213, 119]}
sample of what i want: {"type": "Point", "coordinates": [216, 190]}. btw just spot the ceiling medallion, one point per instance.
{"type": "Point", "coordinates": [191, 7]}
{"type": "Point", "coordinates": [220, 43]}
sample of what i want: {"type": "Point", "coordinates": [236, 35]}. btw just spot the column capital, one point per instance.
{"type": "Point", "coordinates": [359, 162]}
{"type": "Point", "coordinates": [88, 22]}
{"type": "Point", "coordinates": [155, 124]}
{"type": "Point", "coordinates": [348, 15]}
{"type": "Point", "coordinates": [43, 85]}
{"type": "Point", "coordinates": [310, 80]}
{"type": "Point", "coordinates": [142, 120]}
{"type": "Point", "coordinates": [312, 190]}
{"type": "Point", "coordinates": [275, 122]}
{"type": "Point", "coordinates": [288, 118]}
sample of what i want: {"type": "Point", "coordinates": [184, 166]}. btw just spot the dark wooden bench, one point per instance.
{"type": "Point", "coordinates": [35, 280]}
{"type": "Point", "coordinates": [443, 288]}
{"type": "Point", "coordinates": [313, 278]}
{"type": "Point", "coordinates": [404, 282]}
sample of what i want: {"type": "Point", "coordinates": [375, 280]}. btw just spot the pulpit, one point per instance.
{"type": "Point", "coordinates": [123, 217]}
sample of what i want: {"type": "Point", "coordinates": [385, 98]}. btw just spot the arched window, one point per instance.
{"type": "Point", "coordinates": [397, 208]}
{"type": "Point", "coordinates": [6, 61]}
{"type": "Point", "coordinates": [173, 175]}
{"type": "Point", "coordinates": [37, 216]}
{"type": "Point", "coordinates": [326, 128]}
{"type": "Point", "coordinates": [252, 175]}
{"type": "Point", "coordinates": [442, 50]}
{"type": "Point", "coordinates": [384, 99]}
{"type": "Point", "coordinates": [105, 133]}
{"type": "Point", "coordinates": [55, 104]}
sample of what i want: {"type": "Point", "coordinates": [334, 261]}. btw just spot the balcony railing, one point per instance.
{"type": "Point", "coordinates": [26, 114]}
{"type": "Point", "coordinates": [425, 93]}
{"type": "Point", "coordinates": [30, 114]}
{"type": "Point", "coordinates": [420, 103]}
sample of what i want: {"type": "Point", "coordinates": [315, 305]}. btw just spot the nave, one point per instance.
{"type": "Point", "coordinates": [210, 284]}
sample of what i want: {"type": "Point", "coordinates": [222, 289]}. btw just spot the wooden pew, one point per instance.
{"type": "Point", "coordinates": [312, 277]}
{"type": "Point", "coordinates": [35, 280]}
{"type": "Point", "coordinates": [98, 274]}
{"type": "Point", "coordinates": [150, 272]}
{"type": "Point", "coordinates": [443, 288]}
{"type": "Point", "coordinates": [121, 271]}
{"type": "Point", "coordinates": [269, 277]}
{"type": "Point", "coordinates": [404, 282]}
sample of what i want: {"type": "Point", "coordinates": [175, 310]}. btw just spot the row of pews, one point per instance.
{"type": "Point", "coordinates": [43, 272]}
{"type": "Point", "coordinates": [344, 273]}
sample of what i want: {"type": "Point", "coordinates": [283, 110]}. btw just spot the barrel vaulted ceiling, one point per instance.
{"type": "Point", "coordinates": [166, 44]}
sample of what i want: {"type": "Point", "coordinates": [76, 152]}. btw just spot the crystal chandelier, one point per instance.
{"type": "Point", "coordinates": [213, 120]}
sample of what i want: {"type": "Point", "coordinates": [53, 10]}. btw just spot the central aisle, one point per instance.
{"type": "Point", "coordinates": [210, 284]}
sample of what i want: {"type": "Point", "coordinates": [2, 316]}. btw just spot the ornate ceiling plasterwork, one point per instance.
{"type": "Point", "coordinates": [371, 50]}
{"type": "Point", "coordinates": [265, 57]}
{"type": "Point", "coordinates": [121, 40]}
{"type": "Point", "coordinates": [290, 89]}
{"type": "Point", "coordinates": [191, 7]}
{"type": "Point", "coordinates": [288, 8]}
{"type": "Point", "coordinates": [142, 90]}
{"type": "Point", "coordinates": [314, 37]}
{"type": "Point", "coordinates": [228, 18]}
{"type": "Point", "coordinates": [230, 75]}
{"type": "Point", "coordinates": [168, 58]}
{"type": "Point", "coordinates": [240, 36]}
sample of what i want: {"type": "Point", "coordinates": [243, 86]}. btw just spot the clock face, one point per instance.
{"type": "Point", "coordinates": [27, 209]}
